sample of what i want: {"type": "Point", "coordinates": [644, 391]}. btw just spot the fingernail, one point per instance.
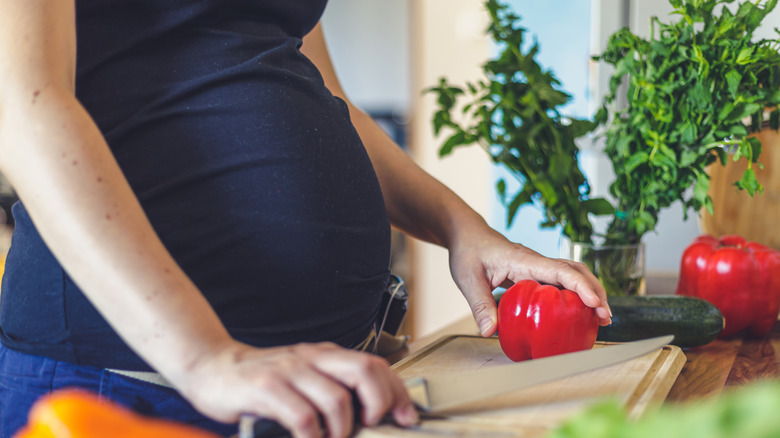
{"type": "Point", "coordinates": [410, 414]}
{"type": "Point", "coordinates": [485, 325]}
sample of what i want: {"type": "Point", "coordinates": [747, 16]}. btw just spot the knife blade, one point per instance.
{"type": "Point", "coordinates": [439, 393]}
{"type": "Point", "coordinates": [435, 394]}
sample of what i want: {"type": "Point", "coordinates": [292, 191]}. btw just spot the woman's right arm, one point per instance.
{"type": "Point", "coordinates": [62, 169]}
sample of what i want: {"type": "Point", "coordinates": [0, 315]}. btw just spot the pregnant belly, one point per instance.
{"type": "Point", "coordinates": [284, 231]}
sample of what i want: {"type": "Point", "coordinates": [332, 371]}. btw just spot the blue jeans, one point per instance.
{"type": "Point", "coordinates": [25, 378]}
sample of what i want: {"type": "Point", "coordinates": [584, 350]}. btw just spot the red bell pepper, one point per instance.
{"type": "Point", "coordinates": [537, 321]}
{"type": "Point", "coordinates": [741, 278]}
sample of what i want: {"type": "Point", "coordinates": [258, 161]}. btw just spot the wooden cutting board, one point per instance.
{"type": "Point", "coordinates": [532, 412]}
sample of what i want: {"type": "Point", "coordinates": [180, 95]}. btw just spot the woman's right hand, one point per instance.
{"type": "Point", "coordinates": [304, 387]}
{"type": "Point", "coordinates": [56, 158]}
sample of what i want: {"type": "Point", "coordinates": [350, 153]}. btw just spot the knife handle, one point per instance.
{"type": "Point", "coordinates": [252, 426]}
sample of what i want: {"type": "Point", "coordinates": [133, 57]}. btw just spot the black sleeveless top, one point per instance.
{"type": "Point", "coordinates": [247, 166]}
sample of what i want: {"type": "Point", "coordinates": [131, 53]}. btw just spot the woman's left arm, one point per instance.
{"type": "Point", "coordinates": [481, 259]}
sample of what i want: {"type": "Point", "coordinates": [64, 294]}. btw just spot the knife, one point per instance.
{"type": "Point", "coordinates": [439, 393]}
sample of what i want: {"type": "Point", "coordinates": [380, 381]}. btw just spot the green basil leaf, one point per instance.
{"type": "Point", "coordinates": [689, 132]}
{"type": "Point", "coordinates": [460, 138]}
{"type": "Point", "coordinates": [745, 55]}
{"type": "Point", "coordinates": [598, 206]}
{"type": "Point", "coordinates": [774, 119]}
{"type": "Point", "coordinates": [733, 79]}
{"type": "Point", "coordinates": [722, 155]}
{"type": "Point", "coordinates": [635, 160]}
{"type": "Point", "coordinates": [701, 189]}
{"type": "Point", "coordinates": [749, 183]}
{"type": "Point", "coordinates": [501, 189]}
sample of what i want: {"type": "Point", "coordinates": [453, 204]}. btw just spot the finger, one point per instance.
{"type": "Point", "coordinates": [603, 310]}
{"type": "Point", "coordinates": [375, 394]}
{"type": "Point", "coordinates": [573, 276]}
{"type": "Point", "coordinates": [590, 278]}
{"type": "Point", "coordinates": [483, 306]}
{"type": "Point", "coordinates": [370, 377]}
{"type": "Point", "coordinates": [331, 399]}
{"type": "Point", "coordinates": [403, 410]}
{"type": "Point", "coordinates": [399, 403]}
{"type": "Point", "coordinates": [584, 283]}
{"type": "Point", "coordinates": [290, 409]}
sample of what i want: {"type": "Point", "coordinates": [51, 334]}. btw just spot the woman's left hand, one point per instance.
{"type": "Point", "coordinates": [482, 259]}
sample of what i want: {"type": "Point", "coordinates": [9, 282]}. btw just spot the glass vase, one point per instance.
{"type": "Point", "coordinates": [620, 268]}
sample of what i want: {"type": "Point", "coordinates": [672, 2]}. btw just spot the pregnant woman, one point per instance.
{"type": "Point", "coordinates": [204, 221]}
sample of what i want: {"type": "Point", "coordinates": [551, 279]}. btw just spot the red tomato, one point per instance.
{"type": "Point", "coordinates": [538, 321]}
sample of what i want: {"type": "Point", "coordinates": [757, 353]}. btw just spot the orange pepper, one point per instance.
{"type": "Point", "coordinates": [74, 413]}
{"type": "Point", "coordinates": [2, 267]}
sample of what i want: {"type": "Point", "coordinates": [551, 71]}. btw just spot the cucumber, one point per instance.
{"type": "Point", "coordinates": [692, 321]}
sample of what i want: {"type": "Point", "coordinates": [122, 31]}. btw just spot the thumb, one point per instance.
{"type": "Point", "coordinates": [483, 307]}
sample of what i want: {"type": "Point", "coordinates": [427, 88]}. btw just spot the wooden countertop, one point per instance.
{"type": "Point", "coordinates": [726, 364]}
{"type": "Point", "coordinates": [709, 370]}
